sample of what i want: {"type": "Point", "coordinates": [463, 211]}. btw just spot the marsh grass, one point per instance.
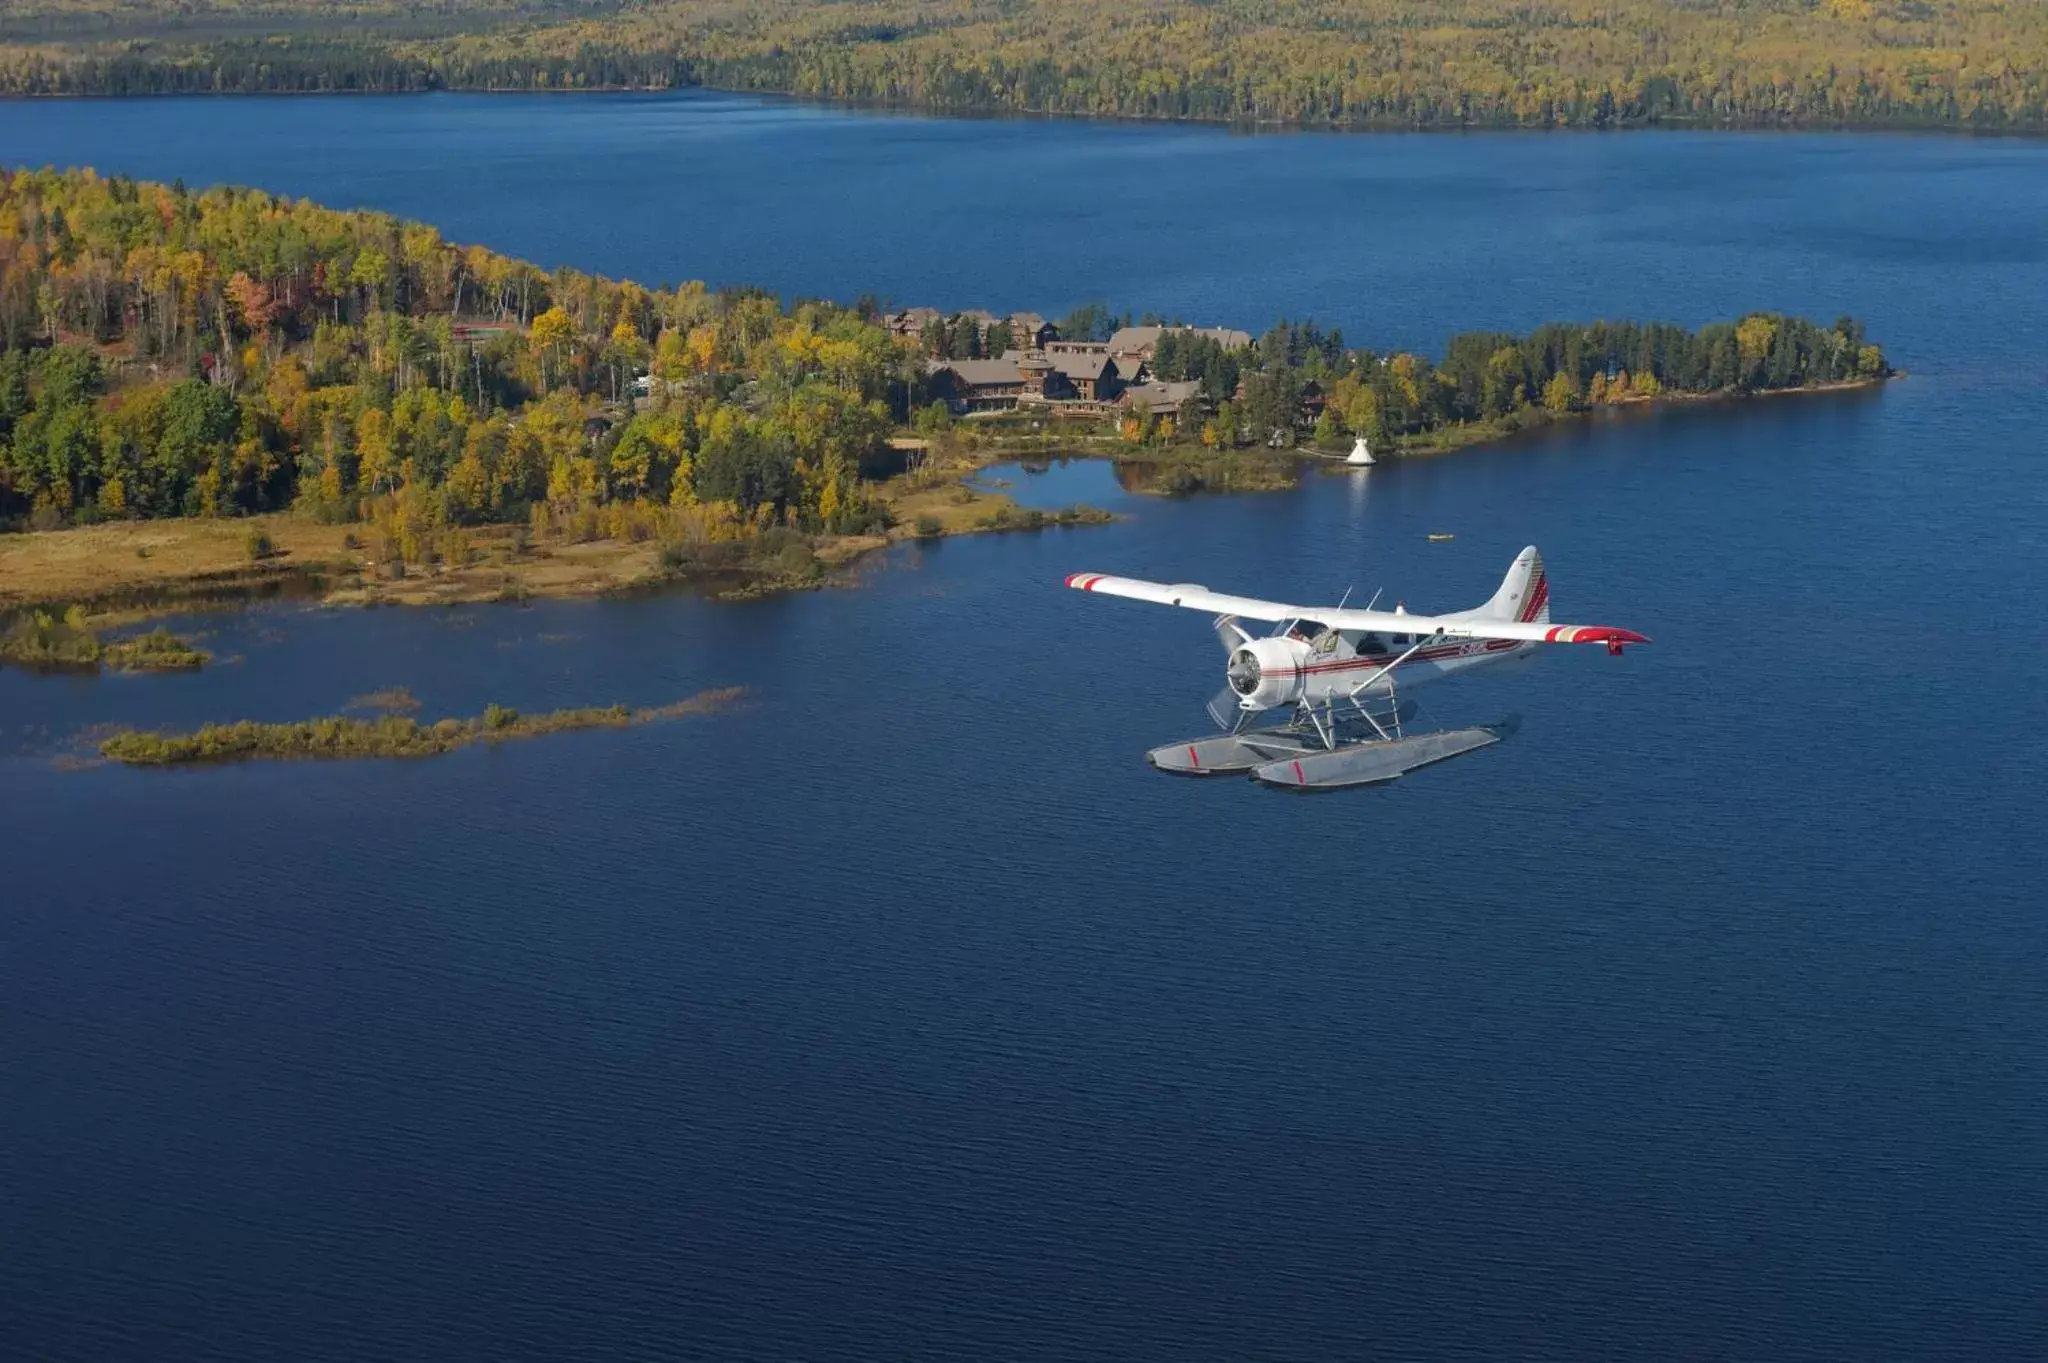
{"type": "Point", "coordinates": [389, 735]}
{"type": "Point", "coordinates": [157, 651]}
{"type": "Point", "coordinates": [60, 642]}
{"type": "Point", "coordinates": [395, 700]}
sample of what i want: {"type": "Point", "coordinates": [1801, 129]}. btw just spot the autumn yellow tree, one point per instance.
{"type": "Point", "coordinates": [1561, 394]}
{"type": "Point", "coordinates": [551, 334]}
{"type": "Point", "coordinates": [1753, 336]}
{"type": "Point", "coordinates": [375, 467]}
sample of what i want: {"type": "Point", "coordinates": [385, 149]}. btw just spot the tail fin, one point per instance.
{"type": "Point", "coordinates": [1524, 593]}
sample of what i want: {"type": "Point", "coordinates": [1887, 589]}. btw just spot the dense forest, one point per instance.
{"type": "Point", "coordinates": [1965, 63]}
{"type": "Point", "coordinates": [228, 352]}
{"type": "Point", "coordinates": [173, 353]}
{"type": "Point", "coordinates": [1491, 380]}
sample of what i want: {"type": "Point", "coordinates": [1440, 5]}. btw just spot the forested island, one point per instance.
{"type": "Point", "coordinates": [207, 389]}
{"type": "Point", "coordinates": [1979, 64]}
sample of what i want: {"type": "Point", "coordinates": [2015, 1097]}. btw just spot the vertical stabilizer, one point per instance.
{"type": "Point", "coordinates": [1524, 593]}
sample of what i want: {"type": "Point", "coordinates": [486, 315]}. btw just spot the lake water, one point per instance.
{"type": "Point", "coordinates": [901, 1011]}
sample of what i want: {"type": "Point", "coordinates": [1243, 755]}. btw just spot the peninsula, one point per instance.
{"type": "Point", "coordinates": [225, 393]}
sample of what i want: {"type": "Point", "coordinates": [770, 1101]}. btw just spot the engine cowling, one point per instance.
{"type": "Point", "coordinates": [1268, 673]}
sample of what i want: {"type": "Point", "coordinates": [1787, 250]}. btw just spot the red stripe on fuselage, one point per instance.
{"type": "Point", "coordinates": [1382, 659]}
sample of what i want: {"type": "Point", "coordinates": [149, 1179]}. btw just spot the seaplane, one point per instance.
{"type": "Point", "coordinates": [1338, 675]}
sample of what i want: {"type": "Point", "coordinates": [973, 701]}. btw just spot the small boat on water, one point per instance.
{"type": "Point", "coordinates": [1438, 537]}
{"type": "Point", "coordinates": [1361, 454]}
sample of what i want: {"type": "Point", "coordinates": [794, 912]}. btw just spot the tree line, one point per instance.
{"type": "Point", "coordinates": [1298, 371]}
{"type": "Point", "coordinates": [167, 353]}
{"type": "Point", "coordinates": [1344, 63]}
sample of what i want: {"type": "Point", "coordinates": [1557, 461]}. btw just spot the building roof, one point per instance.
{"type": "Point", "coordinates": [1091, 365]}
{"type": "Point", "coordinates": [1026, 321]}
{"type": "Point", "coordinates": [1132, 340]}
{"type": "Point", "coordinates": [982, 373]}
{"type": "Point", "coordinates": [1162, 397]}
{"type": "Point", "coordinates": [912, 318]}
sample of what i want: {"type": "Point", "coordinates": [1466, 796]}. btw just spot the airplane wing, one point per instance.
{"type": "Point", "coordinates": [1193, 596]}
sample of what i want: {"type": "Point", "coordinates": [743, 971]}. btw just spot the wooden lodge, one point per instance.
{"type": "Point", "coordinates": [969, 386]}
{"type": "Point", "coordinates": [1070, 376]}
{"type": "Point", "coordinates": [1059, 374]}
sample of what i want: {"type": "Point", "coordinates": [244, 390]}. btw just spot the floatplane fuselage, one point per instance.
{"type": "Point", "coordinates": [1339, 671]}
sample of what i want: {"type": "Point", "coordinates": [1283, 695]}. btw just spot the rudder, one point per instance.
{"type": "Point", "coordinates": [1524, 593]}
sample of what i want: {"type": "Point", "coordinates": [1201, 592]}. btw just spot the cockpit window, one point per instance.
{"type": "Point", "coordinates": [1370, 643]}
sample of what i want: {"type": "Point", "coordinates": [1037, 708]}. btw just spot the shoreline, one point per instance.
{"type": "Point", "coordinates": [1452, 439]}
{"type": "Point", "coordinates": [111, 570]}
{"type": "Point", "coordinates": [1676, 123]}
{"type": "Point", "coordinates": [120, 573]}
{"type": "Point", "coordinates": [1279, 470]}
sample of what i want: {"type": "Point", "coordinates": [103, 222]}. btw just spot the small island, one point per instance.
{"type": "Point", "coordinates": [40, 640]}
{"type": "Point", "coordinates": [225, 394]}
{"type": "Point", "coordinates": [337, 737]}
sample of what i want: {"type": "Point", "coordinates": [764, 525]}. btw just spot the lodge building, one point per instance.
{"type": "Point", "coordinates": [1079, 377]}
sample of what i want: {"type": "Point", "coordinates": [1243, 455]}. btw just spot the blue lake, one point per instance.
{"type": "Point", "coordinates": [901, 1011]}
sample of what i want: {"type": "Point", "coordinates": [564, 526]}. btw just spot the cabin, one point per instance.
{"type": "Point", "coordinates": [1312, 403]}
{"type": "Point", "coordinates": [911, 322]}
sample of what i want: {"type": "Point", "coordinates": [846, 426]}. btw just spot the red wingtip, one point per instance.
{"type": "Point", "coordinates": [1592, 634]}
